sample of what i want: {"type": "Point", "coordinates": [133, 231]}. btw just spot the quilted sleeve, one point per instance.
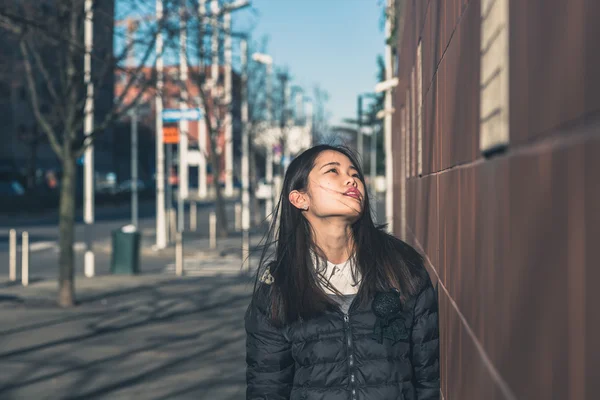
{"type": "Point", "coordinates": [425, 345]}
{"type": "Point", "coordinates": [270, 366]}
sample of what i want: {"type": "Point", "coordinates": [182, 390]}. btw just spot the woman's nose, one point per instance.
{"type": "Point", "coordinates": [351, 181]}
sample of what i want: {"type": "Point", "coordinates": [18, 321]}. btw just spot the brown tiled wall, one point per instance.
{"type": "Point", "coordinates": [512, 239]}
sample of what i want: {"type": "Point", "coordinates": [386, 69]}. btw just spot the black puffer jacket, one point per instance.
{"type": "Point", "coordinates": [336, 356]}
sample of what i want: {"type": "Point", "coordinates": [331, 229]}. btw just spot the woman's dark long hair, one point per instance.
{"type": "Point", "coordinates": [296, 293]}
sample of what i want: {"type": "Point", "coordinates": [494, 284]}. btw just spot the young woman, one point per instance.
{"type": "Point", "coordinates": [341, 310]}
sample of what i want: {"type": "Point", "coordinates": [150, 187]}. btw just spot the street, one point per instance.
{"type": "Point", "coordinates": [43, 238]}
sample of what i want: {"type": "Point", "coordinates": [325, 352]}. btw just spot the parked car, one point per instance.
{"type": "Point", "coordinates": [11, 189]}
{"type": "Point", "coordinates": [263, 190]}
{"type": "Point", "coordinates": [126, 186]}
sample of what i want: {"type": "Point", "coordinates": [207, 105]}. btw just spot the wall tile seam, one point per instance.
{"type": "Point", "coordinates": [473, 163]}
{"type": "Point", "coordinates": [495, 374]}
{"type": "Point", "coordinates": [424, 19]}
{"type": "Point", "coordinates": [430, 84]}
{"type": "Point", "coordinates": [555, 139]}
{"type": "Point", "coordinates": [565, 131]}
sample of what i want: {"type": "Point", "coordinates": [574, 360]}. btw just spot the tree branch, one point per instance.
{"type": "Point", "coordinates": [49, 85]}
{"type": "Point", "coordinates": [35, 103]}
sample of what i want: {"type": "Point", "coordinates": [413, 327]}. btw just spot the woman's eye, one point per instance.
{"type": "Point", "coordinates": [356, 176]}
{"type": "Point", "coordinates": [332, 170]}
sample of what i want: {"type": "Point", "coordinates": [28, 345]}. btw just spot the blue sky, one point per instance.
{"type": "Point", "coordinates": [333, 43]}
{"type": "Point", "coordinates": [330, 43]}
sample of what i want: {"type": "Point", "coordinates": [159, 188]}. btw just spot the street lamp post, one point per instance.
{"type": "Point", "coordinates": [161, 233]}
{"type": "Point", "coordinates": [245, 158]}
{"type": "Point", "coordinates": [359, 135]}
{"type": "Point", "coordinates": [88, 214]}
{"type": "Point", "coordinates": [183, 124]}
{"type": "Point", "coordinates": [217, 12]}
{"type": "Point", "coordinates": [134, 167]}
{"type": "Point", "coordinates": [268, 62]}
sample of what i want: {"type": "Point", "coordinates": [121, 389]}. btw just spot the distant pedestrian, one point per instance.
{"type": "Point", "coordinates": [341, 309]}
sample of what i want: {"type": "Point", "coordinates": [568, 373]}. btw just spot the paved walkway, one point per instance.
{"type": "Point", "coordinates": [131, 337]}
{"type": "Point", "coordinates": [151, 336]}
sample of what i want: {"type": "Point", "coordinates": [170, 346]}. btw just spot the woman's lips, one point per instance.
{"type": "Point", "coordinates": [353, 193]}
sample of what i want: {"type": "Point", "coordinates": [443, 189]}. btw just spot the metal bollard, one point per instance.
{"type": "Point", "coordinates": [193, 216]}
{"type": "Point", "coordinates": [238, 217]}
{"type": "Point", "coordinates": [25, 259]}
{"type": "Point", "coordinates": [179, 255]}
{"type": "Point", "coordinates": [213, 230]}
{"type": "Point", "coordinates": [12, 255]}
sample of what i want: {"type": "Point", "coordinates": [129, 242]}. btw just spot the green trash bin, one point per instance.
{"type": "Point", "coordinates": [125, 258]}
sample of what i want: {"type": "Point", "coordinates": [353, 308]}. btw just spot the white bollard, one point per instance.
{"type": "Point", "coordinates": [172, 225]}
{"type": "Point", "coordinates": [12, 255]}
{"type": "Point", "coordinates": [213, 230]}
{"type": "Point", "coordinates": [179, 255]}
{"type": "Point", "coordinates": [25, 259]}
{"type": "Point", "coordinates": [193, 216]}
{"type": "Point", "coordinates": [238, 217]}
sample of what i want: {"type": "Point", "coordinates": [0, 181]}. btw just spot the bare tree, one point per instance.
{"type": "Point", "coordinates": [50, 38]}
{"type": "Point", "coordinates": [208, 79]}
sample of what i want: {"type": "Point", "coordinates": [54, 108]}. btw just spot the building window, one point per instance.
{"type": "Point", "coordinates": [494, 104]}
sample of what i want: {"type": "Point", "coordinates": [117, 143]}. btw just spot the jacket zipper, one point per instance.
{"type": "Point", "coordinates": [350, 349]}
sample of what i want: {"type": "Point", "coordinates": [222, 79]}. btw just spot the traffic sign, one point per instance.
{"type": "Point", "coordinates": [170, 134]}
{"type": "Point", "coordinates": [176, 115]}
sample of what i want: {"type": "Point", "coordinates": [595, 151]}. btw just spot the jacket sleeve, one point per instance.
{"type": "Point", "coordinates": [425, 349]}
{"type": "Point", "coordinates": [270, 366]}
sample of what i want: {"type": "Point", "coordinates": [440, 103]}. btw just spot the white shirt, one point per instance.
{"type": "Point", "coordinates": [340, 277]}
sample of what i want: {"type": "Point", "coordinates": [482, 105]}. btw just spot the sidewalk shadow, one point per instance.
{"type": "Point", "coordinates": [208, 310]}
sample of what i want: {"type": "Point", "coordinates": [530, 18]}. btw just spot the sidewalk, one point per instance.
{"type": "Point", "coordinates": [131, 337]}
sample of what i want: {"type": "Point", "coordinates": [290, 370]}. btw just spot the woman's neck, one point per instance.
{"type": "Point", "coordinates": [335, 239]}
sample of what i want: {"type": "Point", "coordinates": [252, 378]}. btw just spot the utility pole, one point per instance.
{"type": "Point", "coordinates": [245, 158]}
{"type": "Point", "coordinates": [214, 70]}
{"type": "Point", "coordinates": [134, 168]}
{"type": "Point", "coordinates": [269, 151]}
{"type": "Point", "coordinates": [202, 192]}
{"type": "Point", "coordinates": [268, 62]}
{"type": "Point", "coordinates": [228, 101]}
{"type": "Point", "coordinates": [161, 231]}
{"type": "Point", "coordinates": [283, 77]}
{"type": "Point", "coordinates": [308, 123]}
{"type": "Point", "coordinates": [183, 123]}
{"type": "Point", "coordinates": [359, 135]}
{"type": "Point", "coordinates": [389, 165]}
{"type": "Point", "coordinates": [299, 106]}
{"type": "Point", "coordinates": [88, 192]}
{"type": "Point", "coordinates": [373, 169]}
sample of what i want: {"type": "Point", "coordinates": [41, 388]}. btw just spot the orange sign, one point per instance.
{"type": "Point", "coordinates": [170, 134]}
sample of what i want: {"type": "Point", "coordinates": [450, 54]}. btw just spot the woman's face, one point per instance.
{"type": "Point", "coordinates": [334, 188]}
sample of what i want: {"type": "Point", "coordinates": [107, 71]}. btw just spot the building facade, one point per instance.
{"type": "Point", "coordinates": [171, 100]}
{"type": "Point", "coordinates": [25, 146]}
{"type": "Point", "coordinates": [496, 129]}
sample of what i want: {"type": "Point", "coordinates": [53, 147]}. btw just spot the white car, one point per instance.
{"type": "Point", "coordinates": [263, 190]}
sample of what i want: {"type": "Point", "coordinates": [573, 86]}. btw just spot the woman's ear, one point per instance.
{"type": "Point", "coordinates": [299, 200]}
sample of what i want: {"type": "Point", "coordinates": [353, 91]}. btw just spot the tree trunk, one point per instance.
{"type": "Point", "coordinates": [222, 230]}
{"type": "Point", "coordinates": [66, 284]}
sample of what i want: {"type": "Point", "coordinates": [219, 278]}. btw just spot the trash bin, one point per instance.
{"type": "Point", "coordinates": [125, 258]}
